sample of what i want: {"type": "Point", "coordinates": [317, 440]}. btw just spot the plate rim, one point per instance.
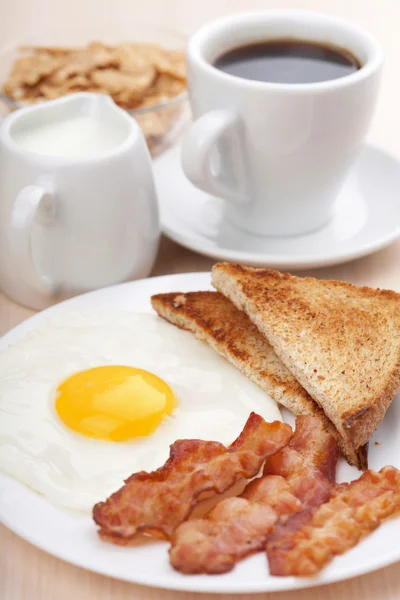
{"type": "Point", "coordinates": [209, 584]}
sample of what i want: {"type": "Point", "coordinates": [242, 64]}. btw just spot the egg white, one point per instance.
{"type": "Point", "coordinates": [214, 401]}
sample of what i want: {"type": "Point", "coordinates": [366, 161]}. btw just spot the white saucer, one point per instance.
{"type": "Point", "coordinates": [367, 218]}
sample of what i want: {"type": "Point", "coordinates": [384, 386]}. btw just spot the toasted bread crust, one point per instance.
{"type": "Point", "coordinates": [212, 318]}
{"type": "Point", "coordinates": [340, 341]}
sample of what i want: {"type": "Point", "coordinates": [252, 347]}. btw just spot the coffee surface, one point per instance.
{"type": "Point", "coordinates": [288, 61]}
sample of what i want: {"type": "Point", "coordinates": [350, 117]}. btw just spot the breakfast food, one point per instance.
{"type": "Point", "coordinates": [135, 75]}
{"type": "Point", "coordinates": [107, 419]}
{"type": "Point", "coordinates": [296, 480]}
{"type": "Point", "coordinates": [156, 503]}
{"type": "Point", "coordinates": [355, 509]}
{"type": "Point", "coordinates": [94, 396]}
{"type": "Point", "coordinates": [295, 511]}
{"type": "Point", "coordinates": [308, 464]}
{"type": "Point", "coordinates": [213, 318]}
{"type": "Point", "coordinates": [235, 528]}
{"type": "Point", "coordinates": [341, 342]}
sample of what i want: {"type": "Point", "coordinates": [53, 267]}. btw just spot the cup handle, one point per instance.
{"type": "Point", "coordinates": [223, 175]}
{"type": "Point", "coordinates": [32, 203]}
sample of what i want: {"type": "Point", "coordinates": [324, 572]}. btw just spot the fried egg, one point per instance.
{"type": "Point", "coordinates": [94, 396]}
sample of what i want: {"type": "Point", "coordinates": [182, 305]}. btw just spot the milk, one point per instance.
{"type": "Point", "coordinates": [81, 136]}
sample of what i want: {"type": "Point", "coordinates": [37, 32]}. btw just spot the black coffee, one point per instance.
{"type": "Point", "coordinates": [288, 61]}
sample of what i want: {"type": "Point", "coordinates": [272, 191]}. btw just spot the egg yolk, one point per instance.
{"type": "Point", "coordinates": [114, 403]}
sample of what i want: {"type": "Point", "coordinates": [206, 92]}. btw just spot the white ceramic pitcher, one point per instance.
{"type": "Point", "coordinates": [69, 223]}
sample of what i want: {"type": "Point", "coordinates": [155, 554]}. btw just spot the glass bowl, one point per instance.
{"type": "Point", "coordinates": [162, 124]}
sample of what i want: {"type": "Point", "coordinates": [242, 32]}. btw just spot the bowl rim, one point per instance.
{"type": "Point", "coordinates": [175, 100]}
{"type": "Point", "coordinates": [183, 96]}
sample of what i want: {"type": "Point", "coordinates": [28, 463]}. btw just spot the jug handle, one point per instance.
{"type": "Point", "coordinates": [33, 203]}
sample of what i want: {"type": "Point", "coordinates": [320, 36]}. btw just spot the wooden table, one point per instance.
{"type": "Point", "coordinates": [29, 574]}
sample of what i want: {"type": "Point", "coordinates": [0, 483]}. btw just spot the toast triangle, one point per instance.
{"type": "Point", "coordinates": [214, 319]}
{"type": "Point", "coordinates": [340, 341]}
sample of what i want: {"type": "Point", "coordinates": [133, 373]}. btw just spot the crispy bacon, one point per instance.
{"type": "Point", "coordinates": [156, 503]}
{"type": "Point", "coordinates": [355, 509]}
{"type": "Point", "coordinates": [233, 529]}
{"type": "Point", "coordinates": [311, 446]}
{"type": "Point", "coordinates": [309, 464]}
{"type": "Point", "coordinates": [297, 479]}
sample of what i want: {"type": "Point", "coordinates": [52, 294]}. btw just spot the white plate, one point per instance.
{"type": "Point", "coordinates": [367, 218]}
{"type": "Point", "coordinates": [73, 537]}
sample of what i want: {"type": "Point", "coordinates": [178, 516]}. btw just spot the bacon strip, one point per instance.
{"type": "Point", "coordinates": [156, 503]}
{"type": "Point", "coordinates": [309, 464]}
{"type": "Point", "coordinates": [233, 529]}
{"type": "Point", "coordinates": [355, 509]}
{"type": "Point", "coordinates": [310, 446]}
{"type": "Point", "coordinates": [297, 479]}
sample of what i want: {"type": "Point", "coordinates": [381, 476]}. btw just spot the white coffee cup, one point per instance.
{"type": "Point", "coordinates": [277, 153]}
{"type": "Point", "coordinates": [69, 223]}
